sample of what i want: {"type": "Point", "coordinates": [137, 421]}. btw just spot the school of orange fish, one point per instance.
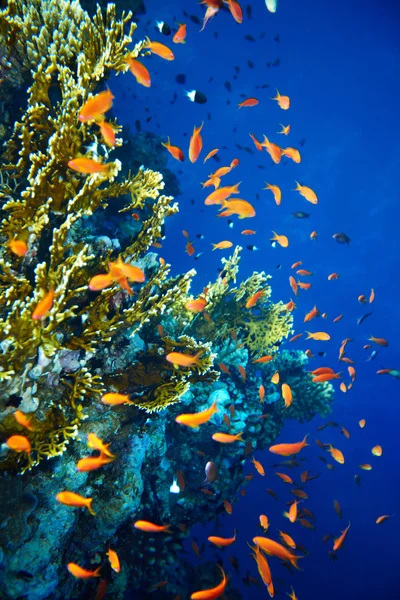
{"type": "Point", "coordinates": [120, 273]}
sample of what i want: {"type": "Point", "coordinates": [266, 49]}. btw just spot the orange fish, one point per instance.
{"type": "Point", "coordinates": [338, 542]}
{"type": "Point", "coordinates": [372, 296]}
{"type": "Point", "coordinates": [234, 163]}
{"type": "Point", "coordinates": [283, 101]}
{"type": "Point", "coordinates": [285, 129]}
{"type": "Point", "coordinates": [333, 276]}
{"type": "Point", "coordinates": [292, 153]}
{"type": "Point", "coordinates": [382, 519]}
{"type": "Point", "coordinates": [189, 248]}
{"type": "Point", "coordinates": [366, 467]}
{"type": "Point", "coordinates": [221, 172]}
{"type": "Point", "coordinates": [224, 368]}
{"type": "Point", "coordinates": [228, 507]}
{"type": "Point", "coordinates": [108, 132]}
{"type": "Point", "coordinates": [252, 301]}
{"type": "Point", "coordinates": [263, 569]}
{"type": "Point", "coordinates": [377, 451]}
{"type": "Point", "coordinates": [295, 337]}
{"type": "Point", "coordinates": [210, 154]}
{"type": "Point", "coordinates": [379, 341]}
{"type": "Point", "coordinates": [293, 285]}
{"type": "Point", "coordinates": [81, 573]}
{"type": "Point", "coordinates": [263, 359]}
{"type": "Point", "coordinates": [92, 463]}
{"type": "Point", "coordinates": [96, 444]}
{"type": "Point", "coordinates": [248, 102]}
{"type": "Point", "coordinates": [343, 387]}
{"type": "Point", "coordinates": [139, 71]}
{"type": "Point", "coordinates": [362, 423]}
{"type": "Point", "coordinates": [307, 193]}
{"type": "Point", "coordinates": [338, 318]}
{"type": "Point", "coordinates": [273, 150]}
{"type": "Point", "coordinates": [115, 399]}
{"type": "Point", "coordinates": [239, 207]}
{"type": "Point", "coordinates": [313, 235]}
{"type": "Point", "coordinates": [212, 593]}
{"type": "Point", "coordinates": [281, 239]}
{"type": "Point", "coordinates": [292, 514]}
{"type": "Point", "coordinates": [304, 286]}
{"type": "Point", "coordinates": [159, 49]}
{"type": "Point", "coordinates": [88, 166]}
{"type": "Point", "coordinates": [194, 420]}
{"type": "Point", "coordinates": [71, 499]}
{"type": "Point", "coordinates": [196, 549]}
{"type": "Point", "coordinates": [180, 35]}
{"type": "Point", "coordinates": [314, 312]}
{"type": "Point", "coordinates": [320, 336]}
{"type": "Point", "coordinates": [287, 395]}
{"type": "Point", "coordinates": [275, 378]}
{"type": "Point", "coordinates": [196, 144]}
{"type": "Point", "coordinates": [174, 151]}
{"type": "Point", "coordinates": [248, 232]}
{"type": "Point", "coordinates": [221, 542]}
{"type": "Point", "coordinates": [196, 306]}
{"type": "Point", "coordinates": [257, 144]}
{"type": "Point", "coordinates": [290, 306]}
{"type": "Point", "coordinates": [325, 377]}
{"type": "Point", "coordinates": [261, 393]}
{"type": "Point", "coordinates": [96, 106]}
{"type": "Point", "coordinates": [44, 306]}
{"type": "Point", "coordinates": [221, 194]}
{"type": "Point", "coordinates": [258, 466]}
{"type": "Point", "coordinates": [276, 192]}
{"type": "Point", "coordinates": [19, 443]}
{"type": "Point", "coordinates": [226, 438]}
{"type": "Point", "coordinates": [149, 527]}
{"type": "Point", "coordinates": [18, 247]}
{"type": "Point", "coordinates": [336, 454]}
{"type": "Point", "coordinates": [235, 9]}
{"type": "Point", "coordinates": [304, 272]}
{"type": "Point", "coordinates": [114, 560]}
{"type": "Point", "coordinates": [289, 449]}
{"type": "Point", "coordinates": [272, 548]}
{"type": "Point", "coordinates": [289, 541]}
{"type": "Point", "coordinates": [178, 359]}
{"type": "Point", "coordinates": [264, 522]}
{"type": "Point", "coordinates": [23, 420]}
{"type": "Point", "coordinates": [222, 245]}
{"type": "Point", "coordinates": [284, 477]}
{"type": "Point", "coordinates": [242, 372]}
{"type": "Point", "coordinates": [213, 7]}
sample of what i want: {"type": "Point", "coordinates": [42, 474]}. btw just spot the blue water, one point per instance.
{"type": "Point", "coordinates": [339, 63]}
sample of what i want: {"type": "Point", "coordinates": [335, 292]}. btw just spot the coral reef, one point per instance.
{"type": "Point", "coordinates": [63, 342]}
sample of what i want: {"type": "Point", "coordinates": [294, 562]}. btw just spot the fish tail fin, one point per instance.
{"type": "Point", "coordinates": [97, 572]}
{"type": "Point", "coordinates": [167, 528]}
{"type": "Point", "coordinates": [309, 335]}
{"type": "Point", "coordinates": [239, 436]}
{"type": "Point", "coordinates": [89, 506]}
{"type": "Point", "coordinates": [293, 560]}
{"type": "Point", "coordinates": [275, 236]}
{"type": "Point", "coordinates": [304, 442]}
{"type": "Point", "coordinates": [298, 186]}
{"type": "Point", "coordinates": [214, 407]}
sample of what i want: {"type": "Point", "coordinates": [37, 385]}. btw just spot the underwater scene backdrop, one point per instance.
{"type": "Point", "coordinates": [199, 258]}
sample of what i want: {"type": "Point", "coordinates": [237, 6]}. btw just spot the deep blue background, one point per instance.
{"type": "Point", "coordinates": [339, 63]}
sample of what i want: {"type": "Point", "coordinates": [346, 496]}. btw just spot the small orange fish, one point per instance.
{"type": "Point", "coordinates": [289, 449]}
{"type": "Point", "coordinates": [287, 395]}
{"type": "Point", "coordinates": [139, 72]}
{"type": "Point", "coordinates": [362, 423]}
{"type": "Point", "coordinates": [289, 541]}
{"type": "Point", "coordinates": [304, 286]}
{"type": "Point", "coordinates": [313, 235]}
{"type": "Point", "coordinates": [382, 519]}
{"type": "Point", "coordinates": [196, 549]}
{"type": "Point", "coordinates": [304, 272]}
{"type": "Point", "coordinates": [96, 106]}
{"type": "Point", "coordinates": [338, 318]}
{"type": "Point", "coordinates": [242, 372]}
{"type": "Point", "coordinates": [228, 507]}
{"type": "Point", "coordinates": [234, 163]}
{"type": "Point", "coordinates": [222, 245]}
{"type": "Point", "coordinates": [263, 359]}
{"type": "Point", "coordinates": [296, 264]}
{"type": "Point", "coordinates": [174, 151]}
{"type": "Point", "coordinates": [379, 341]}
{"type": "Point", "coordinates": [293, 285]}
{"type": "Point", "coordinates": [264, 522]}
{"type": "Point", "coordinates": [221, 542]}
{"type": "Point", "coordinates": [377, 451]}
{"type": "Point", "coordinates": [320, 336]}
{"type": "Point", "coordinates": [290, 306]}
{"type": "Point", "coordinates": [18, 247]}
{"type": "Point", "coordinates": [23, 420]}
{"type": "Point", "coordinates": [194, 420]}
{"type": "Point", "coordinates": [221, 172]}
{"type": "Point", "coordinates": [333, 276]}
{"type": "Point", "coordinates": [283, 101]}
{"type": "Point", "coordinates": [107, 132]}
{"type": "Point", "coordinates": [72, 499]}
{"type": "Point", "coordinates": [345, 432]}
{"type": "Point", "coordinates": [281, 239]}
{"type": "Point", "coordinates": [97, 444]}
{"type": "Point", "coordinates": [258, 466]}
{"type": "Point", "coordinates": [275, 378]}
{"type": "Point", "coordinates": [276, 192]}
{"type": "Point", "coordinates": [81, 573]}
{"type": "Point", "coordinates": [325, 377]}
{"type": "Point", "coordinates": [160, 50]}
{"type": "Point", "coordinates": [336, 454]}
{"type": "Point", "coordinates": [292, 153]}
{"type": "Point", "coordinates": [284, 477]}
{"type": "Point", "coordinates": [216, 591]}
{"type": "Point", "coordinates": [88, 166]}
{"type": "Point", "coordinates": [178, 359]}
{"type": "Point", "coordinates": [372, 296]}
{"type": "Point", "coordinates": [44, 306]}
{"type": "Point", "coordinates": [338, 542]}
{"type": "Point", "coordinates": [180, 35]}
{"type": "Point", "coordinates": [19, 443]}
{"type": "Point", "coordinates": [150, 527]}
{"type": "Point", "coordinates": [261, 393]}
{"type": "Point", "coordinates": [239, 207]}
{"type": "Point", "coordinates": [224, 368]}
{"type": "Point", "coordinates": [257, 144]}
{"type": "Point", "coordinates": [295, 337]}
{"type": "Point", "coordinates": [222, 193]}
{"type": "Point", "coordinates": [235, 10]}
{"type": "Point", "coordinates": [274, 549]}
{"type": "Point", "coordinates": [248, 232]}
{"type": "Point", "coordinates": [196, 306]}
{"type": "Point", "coordinates": [343, 387]}
{"type": "Point", "coordinates": [273, 150]}
{"type": "Point", "coordinates": [252, 301]}
{"type": "Point", "coordinates": [307, 193]}
{"type": "Point", "coordinates": [114, 399]}
{"type": "Point", "coordinates": [314, 312]}
{"type": "Point", "coordinates": [366, 467]}
{"type": "Point", "coordinates": [285, 129]}
{"type": "Point", "coordinates": [210, 154]}
{"type": "Point", "coordinates": [195, 144]}
{"type": "Point", "coordinates": [226, 438]}
{"type": "Point", "coordinates": [248, 102]}
{"type": "Point", "coordinates": [92, 463]}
